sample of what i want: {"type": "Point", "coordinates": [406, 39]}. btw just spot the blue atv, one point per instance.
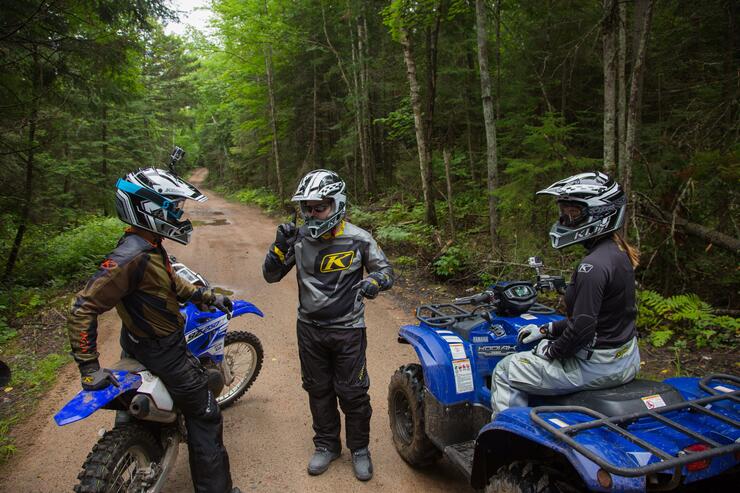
{"type": "Point", "coordinates": [641, 436]}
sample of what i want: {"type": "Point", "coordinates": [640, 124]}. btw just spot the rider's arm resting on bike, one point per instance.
{"type": "Point", "coordinates": [116, 277]}
{"type": "Point", "coordinates": [580, 330]}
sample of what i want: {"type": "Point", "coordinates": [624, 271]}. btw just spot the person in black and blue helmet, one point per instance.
{"type": "Point", "coordinates": [331, 256]}
{"type": "Point", "coordinates": [595, 346]}
{"type": "Point", "coordinates": [137, 279]}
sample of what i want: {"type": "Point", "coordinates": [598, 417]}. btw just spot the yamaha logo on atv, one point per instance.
{"type": "Point", "coordinates": [490, 351]}
{"type": "Point", "coordinates": [337, 261]}
{"type": "Point", "coordinates": [478, 339]}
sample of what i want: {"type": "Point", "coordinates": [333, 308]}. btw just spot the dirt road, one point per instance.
{"type": "Point", "coordinates": [268, 432]}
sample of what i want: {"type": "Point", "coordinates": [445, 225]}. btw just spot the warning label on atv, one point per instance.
{"type": "Point", "coordinates": [458, 351]}
{"type": "Point", "coordinates": [463, 376]}
{"type": "Point", "coordinates": [653, 401]}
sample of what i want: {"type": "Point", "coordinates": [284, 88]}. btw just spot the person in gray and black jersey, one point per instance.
{"type": "Point", "coordinates": [596, 345]}
{"type": "Point", "coordinates": [330, 256]}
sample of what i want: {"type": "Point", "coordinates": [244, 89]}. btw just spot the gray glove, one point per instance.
{"type": "Point", "coordinates": [532, 333]}
{"type": "Point", "coordinates": [223, 303]}
{"type": "Point", "coordinates": [368, 287]}
{"type": "Point", "coordinates": [93, 377]}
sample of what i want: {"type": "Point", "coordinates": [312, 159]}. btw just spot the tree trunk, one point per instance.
{"type": "Point", "coordinates": [28, 190]}
{"type": "Point", "coordinates": [273, 120]}
{"type": "Point", "coordinates": [498, 59]}
{"type": "Point", "coordinates": [104, 152]}
{"type": "Point", "coordinates": [609, 36]}
{"type": "Point", "coordinates": [635, 97]}
{"type": "Point", "coordinates": [421, 142]}
{"type": "Point", "coordinates": [450, 209]}
{"type": "Point", "coordinates": [490, 122]}
{"type": "Point", "coordinates": [622, 83]}
{"type": "Point", "coordinates": [356, 98]}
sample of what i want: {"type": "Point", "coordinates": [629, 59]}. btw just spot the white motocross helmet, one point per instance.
{"type": "Point", "coordinates": [600, 203]}
{"type": "Point", "coordinates": [153, 199]}
{"type": "Point", "coordinates": [318, 185]}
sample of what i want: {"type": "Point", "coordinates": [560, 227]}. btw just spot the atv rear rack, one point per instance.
{"type": "Point", "coordinates": [616, 423]}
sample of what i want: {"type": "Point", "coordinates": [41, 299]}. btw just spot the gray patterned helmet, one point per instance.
{"type": "Point", "coordinates": [320, 184]}
{"type": "Point", "coordinates": [153, 199]}
{"type": "Point", "coordinates": [601, 204]}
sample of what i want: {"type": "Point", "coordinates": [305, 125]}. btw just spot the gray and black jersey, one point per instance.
{"type": "Point", "coordinates": [327, 269]}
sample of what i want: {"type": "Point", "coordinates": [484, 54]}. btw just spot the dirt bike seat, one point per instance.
{"type": "Point", "coordinates": [636, 396]}
{"type": "Point", "coordinates": [128, 364]}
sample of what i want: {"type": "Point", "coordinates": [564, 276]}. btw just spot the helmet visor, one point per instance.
{"type": "Point", "coordinates": [571, 213]}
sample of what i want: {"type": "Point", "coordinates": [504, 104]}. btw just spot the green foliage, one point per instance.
{"type": "Point", "coordinates": [451, 262]}
{"type": "Point", "coordinates": [684, 315]}
{"type": "Point", "coordinates": [260, 197]}
{"type": "Point", "coordinates": [73, 254]}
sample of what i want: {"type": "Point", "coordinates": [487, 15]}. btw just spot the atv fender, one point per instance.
{"type": "Point", "coordinates": [513, 436]}
{"type": "Point", "coordinates": [88, 401]}
{"type": "Point", "coordinates": [434, 356]}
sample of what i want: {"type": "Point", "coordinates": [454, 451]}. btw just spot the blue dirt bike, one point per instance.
{"type": "Point", "coordinates": [641, 436]}
{"type": "Point", "coordinates": [139, 452]}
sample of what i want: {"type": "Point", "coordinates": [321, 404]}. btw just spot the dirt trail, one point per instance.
{"type": "Point", "coordinates": [267, 433]}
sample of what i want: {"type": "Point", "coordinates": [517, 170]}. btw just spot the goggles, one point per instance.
{"type": "Point", "coordinates": [318, 208]}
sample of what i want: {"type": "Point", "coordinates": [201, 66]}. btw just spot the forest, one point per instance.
{"type": "Point", "coordinates": [443, 116]}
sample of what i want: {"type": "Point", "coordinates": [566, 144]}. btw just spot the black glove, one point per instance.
{"type": "Point", "coordinates": [285, 237]}
{"type": "Point", "coordinates": [368, 287]}
{"type": "Point", "coordinates": [95, 378]}
{"type": "Point", "coordinates": [223, 303]}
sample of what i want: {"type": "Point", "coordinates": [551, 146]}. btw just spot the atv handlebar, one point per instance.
{"type": "Point", "coordinates": [550, 283]}
{"type": "Point", "coordinates": [476, 299]}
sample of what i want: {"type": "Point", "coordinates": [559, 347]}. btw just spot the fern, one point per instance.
{"type": "Point", "coordinates": [683, 315]}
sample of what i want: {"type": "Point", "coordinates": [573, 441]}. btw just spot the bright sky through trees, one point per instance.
{"type": "Point", "coordinates": [194, 13]}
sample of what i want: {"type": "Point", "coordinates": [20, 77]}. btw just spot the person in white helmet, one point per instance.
{"type": "Point", "coordinates": [331, 256]}
{"type": "Point", "coordinates": [595, 346]}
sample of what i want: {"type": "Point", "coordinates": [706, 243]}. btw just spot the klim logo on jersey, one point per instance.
{"type": "Point", "coordinates": [337, 261]}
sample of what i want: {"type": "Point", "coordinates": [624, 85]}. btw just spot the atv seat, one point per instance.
{"type": "Point", "coordinates": [128, 364]}
{"type": "Point", "coordinates": [616, 401]}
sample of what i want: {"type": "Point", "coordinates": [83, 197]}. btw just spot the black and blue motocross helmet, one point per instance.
{"type": "Point", "coordinates": [600, 204]}
{"type": "Point", "coordinates": [153, 199]}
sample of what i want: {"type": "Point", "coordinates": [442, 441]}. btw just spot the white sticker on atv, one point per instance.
{"type": "Point", "coordinates": [452, 339]}
{"type": "Point", "coordinates": [558, 422]}
{"type": "Point", "coordinates": [642, 458]}
{"type": "Point", "coordinates": [527, 316]}
{"type": "Point", "coordinates": [463, 376]}
{"type": "Point", "coordinates": [458, 351]}
{"type": "Point", "coordinates": [440, 332]}
{"type": "Point", "coordinates": [653, 401]}
{"type": "Point", "coordinates": [724, 389]}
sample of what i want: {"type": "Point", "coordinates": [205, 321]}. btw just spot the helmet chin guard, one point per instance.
{"type": "Point", "coordinates": [603, 206]}
{"type": "Point", "coordinates": [318, 185]}
{"type": "Point", "coordinates": [152, 199]}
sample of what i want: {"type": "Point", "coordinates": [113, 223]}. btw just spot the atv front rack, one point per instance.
{"type": "Point", "coordinates": [617, 424]}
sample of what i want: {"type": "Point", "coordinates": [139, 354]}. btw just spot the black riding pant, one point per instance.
{"type": "Point", "coordinates": [187, 383]}
{"type": "Point", "coordinates": [333, 366]}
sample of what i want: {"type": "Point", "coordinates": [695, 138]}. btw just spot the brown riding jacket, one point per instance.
{"type": "Point", "coordinates": [137, 279]}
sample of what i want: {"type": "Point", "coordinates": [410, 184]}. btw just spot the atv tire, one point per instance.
{"type": "Point", "coordinates": [116, 457]}
{"type": "Point", "coordinates": [406, 414]}
{"type": "Point", "coordinates": [531, 477]}
{"type": "Point", "coordinates": [244, 377]}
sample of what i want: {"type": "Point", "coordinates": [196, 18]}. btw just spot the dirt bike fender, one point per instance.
{"type": "Point", "coordinates": [88, 401]}
{"type": "Point", "coordinates": [241, 307]}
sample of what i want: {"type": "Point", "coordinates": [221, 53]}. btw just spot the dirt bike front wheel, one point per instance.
{"type": "Point", "coordinates": [118, 461]}
{"type": "Point", "coordinates": [243, 353]}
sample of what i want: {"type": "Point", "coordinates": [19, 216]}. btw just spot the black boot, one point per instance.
{"type": "Point", "coordinates": [320, 461]}
{"type": "Point", "coordinates": [362, 464]}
